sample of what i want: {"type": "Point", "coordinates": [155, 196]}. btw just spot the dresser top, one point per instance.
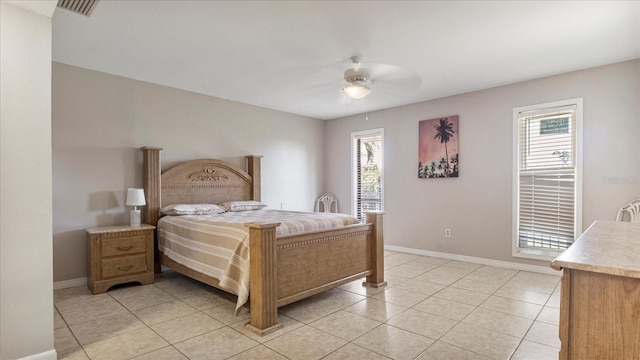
{"type": "Point", "coordinates": [607, 247]}
{"type": "Point", "coordinates": [119, 228]}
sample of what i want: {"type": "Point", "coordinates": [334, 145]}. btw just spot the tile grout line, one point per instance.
{"type": "Point", "coordinates": [145, 324]}
{"type": "Point", "coordinates": [71, 332]}
{"type": "Point", "coordinates": [475, 307]}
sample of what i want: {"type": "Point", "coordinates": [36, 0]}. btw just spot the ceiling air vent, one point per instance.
{"type": "Point", "coordinates": [84, 7]}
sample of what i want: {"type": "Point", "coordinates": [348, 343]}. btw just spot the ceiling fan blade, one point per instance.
{"type": "Point", "coordinates": [391, 74]}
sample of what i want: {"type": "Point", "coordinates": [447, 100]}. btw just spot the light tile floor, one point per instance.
{"type": "Point", "coordinates": [431, 309]}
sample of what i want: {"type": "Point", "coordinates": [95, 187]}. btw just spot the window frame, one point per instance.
{"type": "Point", "coordinates": [546, 254]}
{"type": "Point", "coordinates": [361, 134]}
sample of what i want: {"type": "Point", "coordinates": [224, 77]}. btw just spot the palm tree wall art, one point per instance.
{"type": "Point", "coordinates": [438, 155]}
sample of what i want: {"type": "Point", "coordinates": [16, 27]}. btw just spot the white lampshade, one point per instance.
{"type": "Point", "coordinates": [135, 197]}
{"type": "Point", "coordinates": [356, 90]}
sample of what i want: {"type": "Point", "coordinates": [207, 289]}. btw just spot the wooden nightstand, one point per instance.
{"type": "Point", "coordinates": [120, 254]}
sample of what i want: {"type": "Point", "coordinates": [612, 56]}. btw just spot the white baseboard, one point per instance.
{"type": "Point", "coordinates": [47, 355]}
{"type": "Point", "coordinates": [57, 285]}
{"type": "Point", "coordinates": [476, 260]}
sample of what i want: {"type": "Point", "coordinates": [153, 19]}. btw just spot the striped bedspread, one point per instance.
{"type": "Point", "coordinates": [218, 245]}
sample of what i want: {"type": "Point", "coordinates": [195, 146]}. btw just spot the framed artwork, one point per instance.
{"type": "Point", "coordinates": [438, 155]}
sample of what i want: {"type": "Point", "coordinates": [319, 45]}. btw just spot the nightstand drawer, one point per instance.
{"type": "Point", "coordinates": [123, 245]}
{"type": "Point", "coordinates": [124, 265]}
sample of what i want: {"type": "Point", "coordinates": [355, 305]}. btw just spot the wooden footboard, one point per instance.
{"type": "Point", "coordinates": [293, 267]}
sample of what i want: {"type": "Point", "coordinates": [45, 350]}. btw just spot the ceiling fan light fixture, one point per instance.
{"type": "Point", "coordinates": [356, 90]}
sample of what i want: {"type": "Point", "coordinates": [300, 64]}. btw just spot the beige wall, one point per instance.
{"type": "Point", "coordinates": [26, 287]}
{"type": "Point", "coordinates": [100, 121]}
{"type": "Point", "coordinates": [477, 205]}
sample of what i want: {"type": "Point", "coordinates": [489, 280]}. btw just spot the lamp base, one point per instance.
{"type": "Point", "coordinates": [135, 218]}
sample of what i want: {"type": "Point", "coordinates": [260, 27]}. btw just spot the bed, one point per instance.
{"type": "Point", "coordinates": [282, 268]}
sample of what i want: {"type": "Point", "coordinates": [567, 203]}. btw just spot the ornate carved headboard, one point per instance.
{"type": "Point", "coordinates": [207, 181]}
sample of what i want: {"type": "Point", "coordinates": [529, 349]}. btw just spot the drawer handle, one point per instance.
{"type": "Point", "coordinates": [125, 248]}
{"type": "Point", "coordinates": [124, 268]}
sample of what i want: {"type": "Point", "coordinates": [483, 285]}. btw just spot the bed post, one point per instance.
{"type": "Point", "coordinates": [151, 180]}
{"type": "Point", "coordinates": [376, 279]}
{"type": "Point", "coordinates": [253, 168]}
{"type": "Point", "coordinates": [263, 281]}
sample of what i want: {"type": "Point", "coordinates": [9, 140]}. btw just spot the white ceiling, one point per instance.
{"type": "Point", "coordinates": [291, 55]}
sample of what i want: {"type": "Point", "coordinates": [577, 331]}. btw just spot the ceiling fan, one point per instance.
{"type": "Point", "coordinates": [361, 78]}
{"type": "Point", "coordinates": [358, 80]}
{"type": "Point", "coordinates": [361, 82]}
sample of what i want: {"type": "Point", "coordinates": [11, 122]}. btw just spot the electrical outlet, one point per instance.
{"type": "Point", "coordinates": [447, 232]}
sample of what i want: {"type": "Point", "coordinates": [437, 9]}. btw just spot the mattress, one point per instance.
{"type": "Point", "coordinates": [218, 245]}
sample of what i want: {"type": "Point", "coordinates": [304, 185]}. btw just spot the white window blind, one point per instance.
{"type": "Point", "coordinates": [367, 172]}
{"type": "Point", "coordinates": [547, 178]}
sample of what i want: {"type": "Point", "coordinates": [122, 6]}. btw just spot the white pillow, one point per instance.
{"type": "Point", "coordinates": [191, 209]}
{"type": "Point", "coordinates": [234, 206]}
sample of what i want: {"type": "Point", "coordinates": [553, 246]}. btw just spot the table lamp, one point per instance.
{"type": "Point", "coordinates": [135, 198]}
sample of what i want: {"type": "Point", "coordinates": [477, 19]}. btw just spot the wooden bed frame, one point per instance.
{"type": "Point", "coordinates": [282, 270]}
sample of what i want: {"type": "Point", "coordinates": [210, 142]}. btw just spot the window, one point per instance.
{"type": "Point", "coordinates": [367, 166]}
{"type": "Point", "coordinates": [547, 178]}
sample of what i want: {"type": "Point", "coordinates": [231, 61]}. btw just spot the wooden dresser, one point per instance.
{"type": "Point", "coordinates": [118, 255]}
{"type": "Point", "coordinates": [600, 294]}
